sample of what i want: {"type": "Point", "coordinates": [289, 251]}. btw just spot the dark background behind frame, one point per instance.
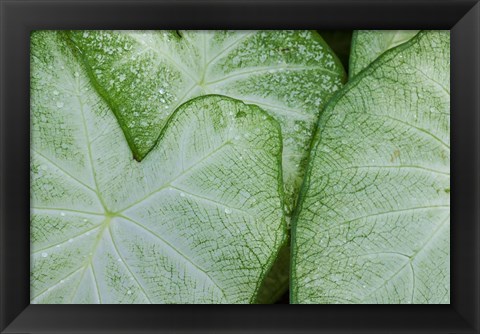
{"type": "Point", "coordinates": [19, 17]}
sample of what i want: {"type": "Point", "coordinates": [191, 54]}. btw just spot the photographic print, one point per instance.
{"type": "Point", "coordinates": [208, 167]}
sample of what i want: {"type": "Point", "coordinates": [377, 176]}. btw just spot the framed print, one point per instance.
{"type": "Point", "coordinates": [157, 155]}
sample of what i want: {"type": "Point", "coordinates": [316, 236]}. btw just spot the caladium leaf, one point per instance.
{"type": "Point", "coordinates": [200, 220]}
{"type": "Point", "coordinates": [373, 222]}
{"type": "Point", "coordinates": [145, 75]}
{"type": "Point", "coordinates": [368, 45]}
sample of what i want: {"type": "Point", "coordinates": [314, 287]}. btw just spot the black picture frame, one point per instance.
{"type": "Point", "coordinates": [19, 17]}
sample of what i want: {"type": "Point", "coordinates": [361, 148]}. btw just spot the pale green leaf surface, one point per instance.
{"type": "Point", "coordinates": [145, 75]}
{"type": "Point", "coordinates": [368, 45]}
{"type": "Point", "coordinates": [199, 220]}
{"type": "Point", "coordinates": [373, 223]}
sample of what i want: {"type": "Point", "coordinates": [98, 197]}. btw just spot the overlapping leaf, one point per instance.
{"type": "Point", "coordinates": [368, 45]}
{"type": "Point", "coordinates": [200, 220]}
{"type": "Point", "coordinates": [373, 222]}
{"type": "Point", "coordinates": [145, 75]}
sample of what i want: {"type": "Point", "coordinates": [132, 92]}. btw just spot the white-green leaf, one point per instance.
{"type": "Point", "coordinates": [199, 220]}
{"type": "Point", "coordinates": [368, 45]}
{"type": "Point", "coordinates": [145, 75]}
{"type": "Point", "coordinates": [373, 223]}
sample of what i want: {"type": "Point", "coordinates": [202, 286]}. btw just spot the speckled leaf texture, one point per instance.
{"type": "Point", "coordinates": [145, 75]}
{"type": "Point", "coordinates": [368, 45]}
{"type": "Point", "coordinates": [199, 220]}
{"type": "Point", "coordinates": [373, 223]}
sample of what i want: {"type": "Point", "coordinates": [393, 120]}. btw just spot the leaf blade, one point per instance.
{"type": "Point", "coordinates": [368, 45]}
{"type": "Point", "coordinates": [377, 189]}
{"type": "Point", "coordinates": [158, 231]}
